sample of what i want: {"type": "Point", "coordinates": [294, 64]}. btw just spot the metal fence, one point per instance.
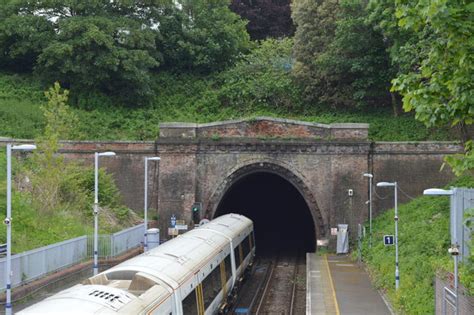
{"type": "Point", "coordinates": [112, 245]}
{"type": "Point", "coordinates": [33, 264]}
{"type": "Point", "coordinates": [30, 265]}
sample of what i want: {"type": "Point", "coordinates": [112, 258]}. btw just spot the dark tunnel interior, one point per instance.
{"type": "Point", "coordinates": [282, 219]}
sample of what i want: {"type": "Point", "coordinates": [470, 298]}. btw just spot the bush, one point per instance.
{"type": "Point", "coordinates": [261, 79]}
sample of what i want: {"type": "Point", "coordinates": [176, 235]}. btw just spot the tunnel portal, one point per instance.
{"type": "Point", "coordinates": [282, 219]}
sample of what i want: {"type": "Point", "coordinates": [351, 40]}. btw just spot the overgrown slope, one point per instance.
{"type": "Point", "coordinates": [191, 98]}
{"type": "Point", "coordinates": [32, 228]}
{"type": "Point", "coordinates": [424, 240]}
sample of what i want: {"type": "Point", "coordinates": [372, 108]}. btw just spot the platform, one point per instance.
{"type": "Point", "coordinates": [336, 285]}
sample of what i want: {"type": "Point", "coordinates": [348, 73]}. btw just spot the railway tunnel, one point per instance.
{"type": "Point", "coordinates": [282, 219]}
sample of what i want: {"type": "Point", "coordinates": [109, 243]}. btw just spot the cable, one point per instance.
{"type": "Point", "coordinates": [377, 195]}
{"type": "Point", "coordinates": [401, 190]}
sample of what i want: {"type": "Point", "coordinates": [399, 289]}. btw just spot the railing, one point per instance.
{"type": "Point", "coordinates": [112, 245]}
{"type": "Point", "coordinates": [33, 264]}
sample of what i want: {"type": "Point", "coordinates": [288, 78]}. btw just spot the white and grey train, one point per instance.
{"type": "Point", "coordinates": [195, 273]}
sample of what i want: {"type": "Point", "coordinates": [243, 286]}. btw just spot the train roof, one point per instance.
{"type": "Point", "coordinates": [152, 275]}
{"type": "Point", "coordinates": [177, 260]}
{"type": "Point", "coordinates": [79, 299]}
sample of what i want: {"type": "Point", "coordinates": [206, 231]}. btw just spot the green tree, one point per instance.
{"type": "Point", "coordinates": [341, 59]}
{"type": "Point", "coordinates": [440, 87]}
{"type": "Point", "coordinates": [92, 46]}
{"type": "Point", "coordinates": [22, 39]}
{"type": "Point", "coordinates": [354, 68]}
{"type": "Point", "coordinates": [48, 173]}
{"type": "Point", "coordinates": [315, 28]}
{"type": "Point", "coordinates": [201, 35]}
{"type": "Point", "coordinates": [262, 78]}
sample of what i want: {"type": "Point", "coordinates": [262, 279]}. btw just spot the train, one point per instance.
{"type": "Point", "coordinates": [196, 273]}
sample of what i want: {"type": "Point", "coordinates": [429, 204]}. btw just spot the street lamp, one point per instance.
{"type": "Point", "coordinates": [397, 272]}
{"type": "Point", "coordinates": [370, 176]}
{"type": "Point", "coordinates": [454, 251]}
{"type": "Point", "coordinates": [145, 203]}
{"type": "Point", "coordinates": [96, 207]}
{"type": "Point", "coordinates": [8, 220]}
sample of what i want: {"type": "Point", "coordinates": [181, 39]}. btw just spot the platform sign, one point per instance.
{"type": "Point", "coordinates": [388, 240]}
{"type": "Point", "coordinates": [181, 226]}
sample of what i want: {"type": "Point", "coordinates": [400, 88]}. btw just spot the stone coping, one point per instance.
{"type": "Point", "coordinates": [263, 118]}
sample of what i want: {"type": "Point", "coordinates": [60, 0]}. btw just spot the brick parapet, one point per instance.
{"type": "Point", "coordinates": [264, 127]}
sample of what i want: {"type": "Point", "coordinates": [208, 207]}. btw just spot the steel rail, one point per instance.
{"type": "Point", "coordinates": [293, 291]}
{"type": "Point", "coordinates": [267, 285]}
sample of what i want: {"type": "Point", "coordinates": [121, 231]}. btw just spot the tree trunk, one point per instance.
{"type": "Point", "coordinates": [396, 104]}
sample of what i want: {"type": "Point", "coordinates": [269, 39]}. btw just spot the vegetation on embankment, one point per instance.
{"type": "Point", "coordinates": [52, 199]}
{"type": "Point", "coordinates": [424, 240]}
{"type": "Point", "coordinates": [192, 98]}
{"type": "Point", "coordinates": [32, 227]}
{"type": "Point", "coordinates": [130, 65]}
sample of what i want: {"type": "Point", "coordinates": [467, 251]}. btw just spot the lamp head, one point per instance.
{"type": "Point", "coordinates": [385, 184]}
{"type": "Point", "coordinates": [24, 147]}
{"type": "Point", "coordinates": [153, 158]}
{"type": "Point", "coordinates": [437, 192]}
{"type": "Point", "coordinates": [368, 175]}
{"type": "Point", "coordinates": [108, 153]}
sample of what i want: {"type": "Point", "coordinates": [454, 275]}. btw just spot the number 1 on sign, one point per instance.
{"type": "Point", "coordinates": [388, 240]}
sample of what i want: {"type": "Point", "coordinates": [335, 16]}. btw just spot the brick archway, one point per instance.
{"type": "Point", "coordinates": [270, 167]}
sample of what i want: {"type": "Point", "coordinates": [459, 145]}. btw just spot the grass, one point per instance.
{"type": "Point", "coordinates": [32, 228]}
{"type": "Point", "coordinates": [185, 99]}
{"type": "Point", "coordinates": [423, 242]}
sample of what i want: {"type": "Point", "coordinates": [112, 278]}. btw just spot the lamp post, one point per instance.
{"type": "Point", "coordinates": [96, 207]}
{"type": "Point", "coordinates": [370, 176]}
{"type": "Point", "coordinates": [453, 250]}
{"type": "Point", "coordinates": [145, 203]}
{"type": "Point", "coordinates": [397, 272]}
{"type": "Point", "coordinates": [8, 221]}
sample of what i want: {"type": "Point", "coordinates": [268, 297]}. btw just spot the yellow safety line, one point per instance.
{"type": "Point", "coordinates": [332, 285]}
{"type": "Point", "coordinates": [200, 299]}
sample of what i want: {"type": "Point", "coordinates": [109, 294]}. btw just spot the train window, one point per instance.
{"type": "Point", "coordinates": [246, 246]}
{"type": "Point", "coordinates": [228, 268]}
{"type": "Point", "coordinates": [252, 239]}
{"type": "Point", "coordinates": [190, 304]}
{"type": "Point", "coordinates": [237, 256]}
{"type": "Point", "coordinates": [211, 286]}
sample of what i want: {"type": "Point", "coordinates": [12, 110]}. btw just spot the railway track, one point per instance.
{"type": "Point", "coordinates": [278, 296]}
{"type": "Point", "coordinates": [277, 286]}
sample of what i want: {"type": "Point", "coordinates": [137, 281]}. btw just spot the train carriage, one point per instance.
{"type": "Point", "coordinates": [194, 273]}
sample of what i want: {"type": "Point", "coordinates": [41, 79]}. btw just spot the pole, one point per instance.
{"type": "Point", "coordinates": [8, 271]}
{"type": "Point", "coordinates": [397, 272]}
{"type": "Point", "coordinates": [454, 240]}
{"type": "Point", "coordinates": [96, 212]}
{"type": "Point", "coordinates": [370, 212]}
{"type": "Point", "coordinates": [359, 245]}
{"type": "Point", "coordinates": [145, 241]}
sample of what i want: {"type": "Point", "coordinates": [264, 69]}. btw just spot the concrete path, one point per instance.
{"type": "Point", "coordinates": [336, 285]}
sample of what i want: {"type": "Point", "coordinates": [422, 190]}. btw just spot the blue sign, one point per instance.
{"type": "Point", "coordinates": [173, 221]}
{"type": "Point", "coordinates": [388, 240]}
